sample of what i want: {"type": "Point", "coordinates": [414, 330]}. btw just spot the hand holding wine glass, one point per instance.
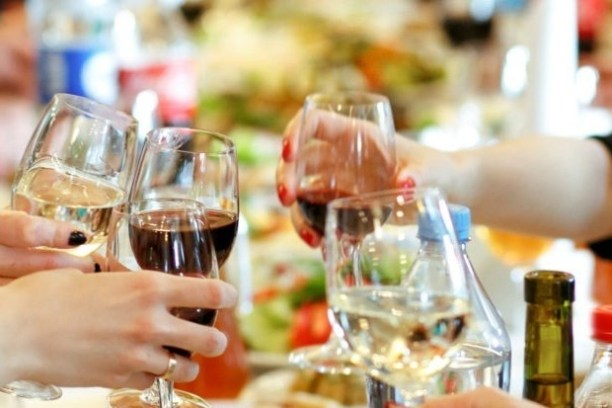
{"type": "Point", "coordinates": [399, 318]}
{"type": "Point", "coordinates": [340, 144]}
{"type": "Point", "coordinates": [169, 235]}
{"type": "Point", "coordinates": [344, 145]}
{"type": "Point", "coordinates": [191, 166]}
{"type": "Point", "coordinates": [75, 168]}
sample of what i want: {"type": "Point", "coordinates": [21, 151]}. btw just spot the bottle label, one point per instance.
{"type": "Point", "coordinates": [84, 70]}
{"type": "Point", "coordinates": [174, 82]}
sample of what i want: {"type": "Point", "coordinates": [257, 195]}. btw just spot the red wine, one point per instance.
{"type": "Point", "coordinates": [313, 205]}
{"type": "Point", "coordinates": [223, 229]}
{"type": "Point", "coordinates": [184, 250]}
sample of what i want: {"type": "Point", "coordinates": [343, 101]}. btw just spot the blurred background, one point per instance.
{"type": "Point", "coordinates": [459, 73]}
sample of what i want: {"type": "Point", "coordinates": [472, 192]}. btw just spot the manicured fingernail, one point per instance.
{"type": "Point", "coordinates": [407, 183]}
{"type": "Point", "coordinates": [97, 267]}
{"type": "Point", "coordinates": [309, 237]}
{"type": "Point", "coordinates": [286, 149]}
{"type": "Point", "coordinates": [77, 238]}
{"type": "Point", "coordinates": [281, 191]}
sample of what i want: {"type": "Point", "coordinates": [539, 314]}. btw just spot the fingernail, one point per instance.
{"type": "Point", "coordinates": [77, 238]}
{"type": "Point", "coordinates": [407, 183]}
{"type": "Point", "coordinates": [309, 237]}
{"type": "Point", "coordinates": [281, 191]}
{"type": "Point", "coordinates": [286, 149]}
{"type": "Point", "coordinates": [97, 267]}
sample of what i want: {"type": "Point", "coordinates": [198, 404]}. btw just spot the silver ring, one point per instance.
{"type": "Point", "coordinates": [172, 363]}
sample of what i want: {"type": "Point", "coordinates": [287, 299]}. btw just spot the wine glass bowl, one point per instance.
{"type": "Point", "coordinates": [400, 318]}
{"type": "Point", "coordinates": [195, 164]}
{"type": "Point", "coordinates": [76, 166]}
{"type": "Point", "coordinates": [346, 146]}
{"type": "Point", "coordinates": [358, 159]}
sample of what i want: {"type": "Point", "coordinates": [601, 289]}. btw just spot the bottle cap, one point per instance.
{"type": "Point", "coordinates": [461, 219]}
{"type": "Point", "coordinates": [602, 323]}
{"type": "Point", "coordinates": [545, 287]}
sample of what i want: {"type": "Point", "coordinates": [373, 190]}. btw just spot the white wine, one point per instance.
{"type": "Point", "coordinates": [403, 334]}
{"type": "Point", "coordinates": [57, 192]}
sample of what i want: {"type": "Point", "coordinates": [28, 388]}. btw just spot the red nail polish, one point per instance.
{"type": "Point", "coordinates": [281, 191]}
{"type": "Point", "coordinates": [407, 184]}
{"type": "Point", "coordinates": [286, 149]}
{"type": "Point", "coordinates": [309, 237]}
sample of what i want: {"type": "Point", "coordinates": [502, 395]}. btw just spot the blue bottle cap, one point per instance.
{"type": "Point", "coordinates": [461, 218]}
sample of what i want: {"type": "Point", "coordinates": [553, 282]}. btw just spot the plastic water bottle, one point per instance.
{"type": "Point", "coordinates": [75, 48]}
{"type": "Point", "coordinates": [596, 388]}
{"type": "Point", "coordinates": [484, 356]}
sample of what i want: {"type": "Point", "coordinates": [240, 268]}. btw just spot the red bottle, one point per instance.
{"type": "Point", "coordinates": [232, 366]}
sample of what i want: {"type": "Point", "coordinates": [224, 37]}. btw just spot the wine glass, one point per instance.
{"type": "Point", "coordinates": [189, 164]}
{"type": "Point", "coordinates": [170, 235]}
{"type": "Point", "coordinates": [400, 317]}
{"type": "Point", "coordinates": [75, 168]}
{"type": "Point", "coordinates": [359, 158]}
{"type": "Point", "coordinates": [195, 164]}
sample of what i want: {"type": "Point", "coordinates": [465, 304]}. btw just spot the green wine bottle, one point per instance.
{"type": "Point", "coordinates": [549, 353]}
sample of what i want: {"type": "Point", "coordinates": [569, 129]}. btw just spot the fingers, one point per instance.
{"type": "Point", "coordinates": [175, 367]}
{"type": "Point", "coordinates": [16, 262]}
{"type": "Point", "coordinates": [182, 291]}
{"type": "Point", "coordinates": [308, 235]}
{"type": "Point", "coordinates": [205, 340]}
{"type": "Point", "coordinates": [32, 231]}
{"type": "Point", "coordinates": [285, 182]}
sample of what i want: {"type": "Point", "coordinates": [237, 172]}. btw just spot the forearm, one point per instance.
{"type": "Point", "coordinates": [540, 185]}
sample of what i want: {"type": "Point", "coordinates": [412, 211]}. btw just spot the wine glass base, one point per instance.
{"type": "Point", "coordinates": [131, 398]}
{"type": "Point", "coordinates": [32, 390]}
{"type": "Point", "coordinates": [326, 359]}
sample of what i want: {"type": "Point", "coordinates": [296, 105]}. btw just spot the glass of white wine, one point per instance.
{"type": "Point", "coordinates": [399, 315]}
{"type": "Point", "coordinates": [75, 168]}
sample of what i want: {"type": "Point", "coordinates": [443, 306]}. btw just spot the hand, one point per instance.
{"type": "Point", "coordinates": [73, 329]}
{"type": "Point", "coordinates": [417, 164]}
{"type": "Point", "coordinates": [479, 398]}
{"type": "Point", "coordinates": [20, 236]}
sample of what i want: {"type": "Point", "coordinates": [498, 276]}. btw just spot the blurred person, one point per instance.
{"type": "Point", "coordinates": [17, 85]}
{"type": "Point", "coordinates": [70, 328]}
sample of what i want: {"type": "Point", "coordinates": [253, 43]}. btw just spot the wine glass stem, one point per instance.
{"type": "Point", "coordinates": [165, 389]}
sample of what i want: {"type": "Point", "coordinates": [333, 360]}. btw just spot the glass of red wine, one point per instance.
{"type": "Point", "coordinates": [194, 164]}
{"type": "Point", "coordinates": [346, 146]}
{"type": "Point", "coordinates": [168, 235]}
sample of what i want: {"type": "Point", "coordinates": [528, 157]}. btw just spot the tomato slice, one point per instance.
{"type": "Point", "coordinates": [310, 325]}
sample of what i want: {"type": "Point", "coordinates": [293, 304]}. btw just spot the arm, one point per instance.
{"type": "Point", "coordinates": [540, 185]}
{"type": "Point", "coordinates": [73, 329]}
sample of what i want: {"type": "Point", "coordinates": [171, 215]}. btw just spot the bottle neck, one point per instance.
{"type": "Point", "coordinates": [549, 361]}
{"type": "Point", "coordinates": [602, 356]}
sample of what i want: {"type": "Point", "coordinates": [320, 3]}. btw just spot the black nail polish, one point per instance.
{"type": "Point", "coordinates": [97, 267]}
{"type": "Point", "coordinates": [77, 238]}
